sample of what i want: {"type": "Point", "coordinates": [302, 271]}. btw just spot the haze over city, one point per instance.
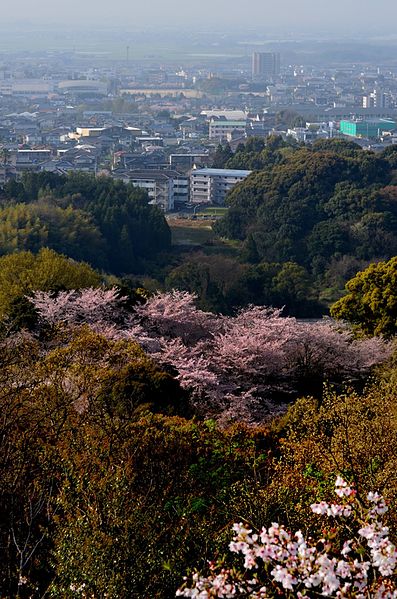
{"type": "Point", "coordinates": [305, 15]}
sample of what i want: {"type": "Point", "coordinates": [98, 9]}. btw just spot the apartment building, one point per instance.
{"type": "Point", "coordinates": [210, 185]}
{"type": "Point", "coordinates": [165, 189]}
{"type": "Point", "coordinates": [265, 65]}
{"type": "Point", "coordinates": [221, 129]}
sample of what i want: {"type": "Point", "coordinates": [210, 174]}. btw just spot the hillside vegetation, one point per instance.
{"type": "Point", "coordinates": [331, 209]}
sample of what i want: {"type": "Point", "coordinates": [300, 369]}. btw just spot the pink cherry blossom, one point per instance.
{"type": "Point", "coordinates": [364, 567]}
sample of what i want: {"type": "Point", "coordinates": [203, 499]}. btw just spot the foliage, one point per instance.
{"type": "Point", "coordinates": [108, 489]}
{"type": "Point", "coordinates": [370, 303]}
{"type": "Point", "coordinates": [261, 357]}
{"type": "Point", "coordinates": [50, 392]}
{"type": "Point", "coordinates": [130, 528]}
{"type": "Point", "coordinates": [339, 146]}
{"type": "Point", "coordinates": [289, 118]}
{"type": "Point", "coordinates": [353, 557]}
{"type": "Point", "coordinates": [221, 156]}
{"type": "Point", "coordinates": [223, 284]}
{"type": "Point", "coordinates": [258, 154]}
{"type": "Point", "coordinates": [31, 227]}
{"type": "Point", "coordinates": [216, 85]}
{"type": "Point", "coordinates": [313, 206]}
{"type": "Point", "coordinates": [24, 272]}
{"type": "Point", "coordinates": [110, 221]}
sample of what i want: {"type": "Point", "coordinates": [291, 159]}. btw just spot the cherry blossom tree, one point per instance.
{"type": "Point", "coordinates": [235, 365]}
{"type": "Point", "coordinates": [175, 315]}
{"type": "Point", "coordinates": [358, 562]}
{"type": "Point", "coordinates": [88, 306]}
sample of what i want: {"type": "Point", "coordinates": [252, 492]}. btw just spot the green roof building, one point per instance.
{"type": "Point", "coordinates": [366, 128]}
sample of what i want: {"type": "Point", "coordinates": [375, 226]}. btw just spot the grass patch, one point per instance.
{"type": "Point", "coordinates": [216, 211]}
{"type": "Point", "coordinates": [191, 232]}
{"type": "Point", "coordinates": [198, 234]}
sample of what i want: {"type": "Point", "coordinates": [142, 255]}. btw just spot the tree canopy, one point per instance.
{"type": "Point", "coordinates": [31, 227]}
{"type": "Point", "coordinates": [24, 272]}
{"type": "Point", "coordinates": [315, 206]}
{"type": "Point", "coordinates": [370, 303]}
{"type": "Point", "coordinates": [110, 488]}
{"type": "Point", "coordinates": [98, 219]}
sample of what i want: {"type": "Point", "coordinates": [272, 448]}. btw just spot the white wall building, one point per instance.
{"type": "Point", "coordinates": [221, 129]}
{"type": "Point", "coordinates": [210, 185]}
{"type": "Point", "coordinates": [165, 188]}
{"type": "Point", "coordinates": [26, 87]}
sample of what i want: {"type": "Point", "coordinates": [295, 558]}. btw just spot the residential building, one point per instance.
{"type": "Point", "coordinates": [165, 188]}
{"type": "Point", "coordinates": [228, 115]}
{"type": "Point", "coordinates": [376, 99]}
{"type": "Point", "coordinates": [221, 129]}
{"type": "Point", "coordinates": [265, 65]}
{"type": "Point", "coordinates": [185, 162]}
{"type": "Point", "coordinates": [210, 185]}
{"type": "Point", "coordinates": [31, 157]}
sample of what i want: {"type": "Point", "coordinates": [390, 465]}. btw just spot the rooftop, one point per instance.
{"type": "Point", "coordinates": [364, 121]}
{"type": "Point", "coordinates": [221, 172]}
{"type": "Point", "coordinates": [225, 123]}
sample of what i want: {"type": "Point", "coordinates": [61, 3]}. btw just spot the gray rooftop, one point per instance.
{"type": "Point", "coordinates": [221, 172]}
{"type": "Point", "coordinates": [225, 123]}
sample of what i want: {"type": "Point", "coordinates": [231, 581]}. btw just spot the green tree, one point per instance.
{"type": "Point", "coordinates": [371, 300]}
{"type": "Point", "coordinates": [292, 288]}
{"type": "Point", "coordinates": [33, 226]}
{"type": "Point", "coordinates": [222, 155]}
{"type": "Point", "coordinates": [23, 272]}
{"type": "Point", "coordinates": [313, 206]}
{"type": "Point", "coordinates": [132, 229]}
{"type": "Point", "coordinates": [339, 146]}
{"type": "Point", "coordinates": [249, 251]}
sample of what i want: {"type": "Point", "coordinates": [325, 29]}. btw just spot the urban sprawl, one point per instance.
{"type": "Point", "coordinates": [158, 126]}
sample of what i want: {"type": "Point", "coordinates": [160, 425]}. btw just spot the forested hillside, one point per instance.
{"type": "Point", "coordinates": [99, 220]}
{"type": "Point", "coordinates": [331, 209]}
{"type": "Point", "coordinates": [303, 224]}
{"type": "Point", "coordinates": [125, 449]}
{"type": "Point", "coordinates": [297, 229]}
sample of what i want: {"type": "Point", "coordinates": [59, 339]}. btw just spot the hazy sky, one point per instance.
{"type": "Point", "coordinates": [216, 14]}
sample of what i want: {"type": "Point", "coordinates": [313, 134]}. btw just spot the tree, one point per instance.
{"type": "Point", "coordinates": [103, 493]}
{"type": "Point", "coordinates": [370, 304]}
{"type": "Point", "coordinates": [250, 251]}
{"type": "Point", "coordinates": [360, 560]}
{"type": "Point", "coordinates": [222, 155]}
{"type": "Point", "coordinates": [313, 206]}
{"type": "Point", "coordinates": [102, 220]}
{"type": "Point", "coordinates": [234, 366]}
{"type": "Point", "coordinates": [290, 118]}
{"type": "Point", "coordinates": [23, 272]}
{"type": "Point", "coordinates": [80, 382]}
{"type": "Point", "coordinates": [339, 146]}
{"type": "Point", "coordinates": [292, 288]}
{"type": "Point", "coordinates": [29, 227]}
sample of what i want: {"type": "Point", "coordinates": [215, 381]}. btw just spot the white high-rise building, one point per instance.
{"type": "Point", "coordinates": [376, 99]}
